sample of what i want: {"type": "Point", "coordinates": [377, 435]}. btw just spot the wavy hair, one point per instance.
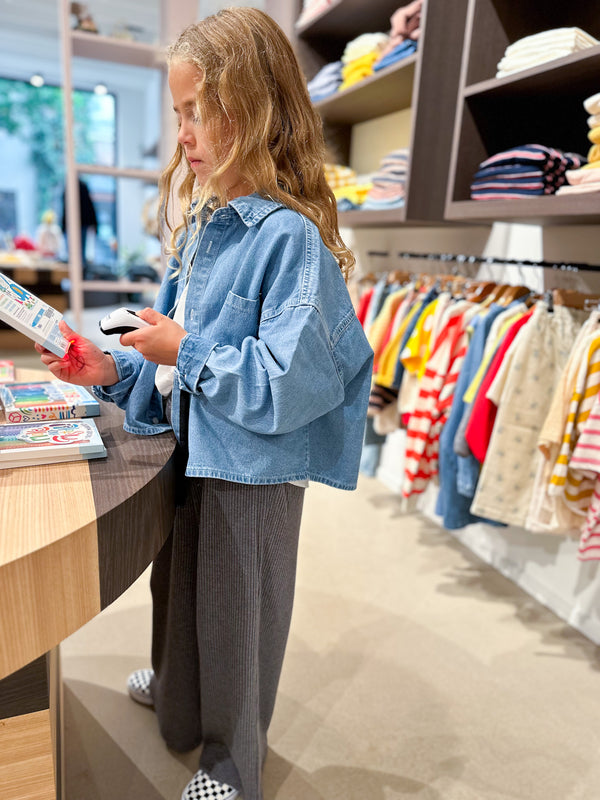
{"type": "Point", "coordinates": [252, 88]}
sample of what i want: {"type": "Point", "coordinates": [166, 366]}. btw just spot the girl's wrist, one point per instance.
{"type": "Point", "coordinates": [110, 371]}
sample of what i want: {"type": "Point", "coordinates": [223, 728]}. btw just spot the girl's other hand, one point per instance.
{"type": "Point", "coordinates": [84, 363]}
{"type": "Point", "coordinates": [158, 343]}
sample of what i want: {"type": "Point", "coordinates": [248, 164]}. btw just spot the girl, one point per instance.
{"type": "Point", "coordinates": [255, 358]}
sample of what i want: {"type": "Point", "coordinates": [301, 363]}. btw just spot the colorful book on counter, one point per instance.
{"type": "Point", "coordinates": [46, 400]}
{"type": "Point", "coordinates": [7, 371]}
{"type": "Point", "coordinates": [25, 312]}
{"type": "Point", "coordinates": [30, 443]}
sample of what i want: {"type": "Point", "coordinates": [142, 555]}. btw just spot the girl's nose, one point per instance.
{"type": "Point", "coordinates": [185, 132]}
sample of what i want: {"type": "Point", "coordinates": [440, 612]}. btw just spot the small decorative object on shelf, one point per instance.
{"type": "Point", "coordinates": [85, 21]}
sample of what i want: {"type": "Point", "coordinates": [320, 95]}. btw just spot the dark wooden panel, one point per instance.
{"type": "Point", "coordinates": [551, 210]}
{"type": "Point", "coordinates": [26, 690]}
{"type": "Point", "coordinates": [134, 498]}
{"type": "Point", "coordinates": [434, 109]}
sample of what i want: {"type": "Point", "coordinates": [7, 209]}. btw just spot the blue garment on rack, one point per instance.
{"type": "Point", "coordinates": [452, 506]}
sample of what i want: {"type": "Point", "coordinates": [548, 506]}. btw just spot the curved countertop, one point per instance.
{"type": "Point", "coordinates": [75, 535]}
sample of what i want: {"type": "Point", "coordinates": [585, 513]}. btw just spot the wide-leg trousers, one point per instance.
{"type": "Point", "coordinates": [222, 591]}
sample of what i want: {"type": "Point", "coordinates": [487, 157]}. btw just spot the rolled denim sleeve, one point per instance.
{"type": "Point", "coordinates": [273, 384]}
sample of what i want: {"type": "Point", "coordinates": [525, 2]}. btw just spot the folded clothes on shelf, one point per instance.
{"type": "Point", "coordinates": [399, 53]}
{"type": "Point", "coordinates": [337, 175]}
{"type": "Point", "coordinates": [586, 179]}
{"type": "Point", "coordinates": [523, 171]}
{"type": "Point", "coordinates": [389, 182]}
{"type": "Point", "coordinates": [359, 57]}
{"type": "Point", "coordinates": [326, 82]}
{"type": "Point", "coordinates": [530, 51]}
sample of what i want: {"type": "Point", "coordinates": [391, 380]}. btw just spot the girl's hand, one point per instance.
{"type": "Point", "coordinates": [158, 343]}
{"type": "Point", "coordinates": [84, 363]}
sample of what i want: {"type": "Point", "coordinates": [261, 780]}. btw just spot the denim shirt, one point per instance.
{"type": "Point", "coordinates": [274, 360]}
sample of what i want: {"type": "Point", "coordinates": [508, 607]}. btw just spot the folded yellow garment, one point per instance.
{"type": "Point", "coordinates": [359, 64]}
{"type": "Point", "coordinates": [591, 165]}
{"type": "Point", "coordinates": [594, 153]}
{"type": "Point", "coordinates": [356, 194]}
{"type": "Point", "coordinates": [337, 175]}
{"type": "Point", "coordinates": [594, 135]}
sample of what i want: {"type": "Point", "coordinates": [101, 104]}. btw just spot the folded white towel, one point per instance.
{"type": "Point", "coordinates": [580, 188]}
{"type": "Point", "coordinates": [576, 177]}
{"type": "Point", "coordinates": [593, 121]}
{"type": "Point", "coordinates": [363, 44]}
{"type": "Point", "coordinates": [592, 104]}
{"type": "Point", "coordinates": [541, 47]}
{"type": "Point", "coordinates": [573, 36]}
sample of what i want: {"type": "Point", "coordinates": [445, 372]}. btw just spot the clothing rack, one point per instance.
{"type": "Point", "coordinates": [466, 259]}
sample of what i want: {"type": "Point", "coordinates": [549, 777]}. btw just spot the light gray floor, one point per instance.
{"type": "Point", "coordinates": [413, 670]}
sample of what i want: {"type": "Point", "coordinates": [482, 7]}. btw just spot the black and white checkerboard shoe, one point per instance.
{"type": "Point", "coordinates": [138, 686]}
{"type": "Point", "coordinates": [202, 787]}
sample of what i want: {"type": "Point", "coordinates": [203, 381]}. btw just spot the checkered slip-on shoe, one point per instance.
{"type": "Point", "coordinates": [138, 686]}
{"type": "Point", "coordinates": [202, 787]}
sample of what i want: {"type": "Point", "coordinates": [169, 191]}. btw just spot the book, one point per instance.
{"type": "Point", "coordinates": [28, 443]}
{"type": "Point", "coordinates": [7, 371]}
{"type": "Point", "coordinates": [25, 312]}
{"type": "Point", "coordinates": [45, 400]}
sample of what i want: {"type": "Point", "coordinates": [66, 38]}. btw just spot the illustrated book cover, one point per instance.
{"type": "Point", "coordinates": [29, 443]}
{"type": "Point", "coordinates": [26, 313]}
{"type": "Point", "coordinates": [46, 400]}
{"type": "Point", "coordinates": [7, 371]}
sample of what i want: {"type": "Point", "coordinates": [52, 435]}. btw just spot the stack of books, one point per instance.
{"type": "Point", "coordinates": [47, 422]}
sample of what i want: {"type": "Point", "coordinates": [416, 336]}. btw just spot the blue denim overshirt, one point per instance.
{"type": "Point", "coordinates": [276, 364]}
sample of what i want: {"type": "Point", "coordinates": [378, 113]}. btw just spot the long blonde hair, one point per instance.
{"type": "Point", "coordinates": [250, 80]}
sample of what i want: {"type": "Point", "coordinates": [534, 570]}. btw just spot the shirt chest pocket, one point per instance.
{"type": "Point", "coordinates": [238, 318]}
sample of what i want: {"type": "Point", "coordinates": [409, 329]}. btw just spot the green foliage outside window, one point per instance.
{"type": "Point", "coordinates": [35, 115]}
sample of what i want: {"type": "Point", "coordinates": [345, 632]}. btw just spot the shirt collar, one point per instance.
{"type": "Point", "coordinates": [253, 208]}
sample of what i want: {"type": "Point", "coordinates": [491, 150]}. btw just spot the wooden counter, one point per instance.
{"type": "Point", "coordinates": [73, 537]}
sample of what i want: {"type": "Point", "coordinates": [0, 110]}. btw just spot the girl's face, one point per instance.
{"type": "Point", "coordinates": [194, 135]}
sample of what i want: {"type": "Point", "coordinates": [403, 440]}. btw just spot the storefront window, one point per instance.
{"type": "Point", "coordinates": [32, 161]}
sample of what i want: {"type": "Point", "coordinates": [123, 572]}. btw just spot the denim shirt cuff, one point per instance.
{"type": "Point", "coordinates": [193, 354]}
{"type": "Point", "coordinates": [128, 369]}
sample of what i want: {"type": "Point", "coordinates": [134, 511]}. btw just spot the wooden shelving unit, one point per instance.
{"type": "Point", "coordinates": [425, 82]}
{"type": "Point", "coordinates": [101, 48]}
{"type": "Point", "coordinates": [542, 105]}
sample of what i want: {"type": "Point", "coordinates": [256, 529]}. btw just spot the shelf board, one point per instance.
{"type": "Point", "coordinates": [578, 71]}
{"type": "Point", "coordinates": [382, 93]}
{"type": "Point", "coordinates": [129, 287]}
{"type": "Point", "coordinates": [105, 48]}
{"type": "Point", "coordinates": [371, 218]}
{"type": "Point", "coordinates": [346, 19]}
{"type": "Point", "coordinates": [149, 175]}
{"type": "Point", "coordinates": [550, 210]}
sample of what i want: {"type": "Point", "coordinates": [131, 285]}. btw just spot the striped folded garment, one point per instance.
{"type": "Point", "coordinates": [542, 47]}
{"type": "Point", "coordinates": [524, 171]}
{"type": "Point", "coordinates": [389, 182]}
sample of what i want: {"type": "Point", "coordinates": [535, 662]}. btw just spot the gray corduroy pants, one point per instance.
{"type": "Point", "coordinates": [222, 590]}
